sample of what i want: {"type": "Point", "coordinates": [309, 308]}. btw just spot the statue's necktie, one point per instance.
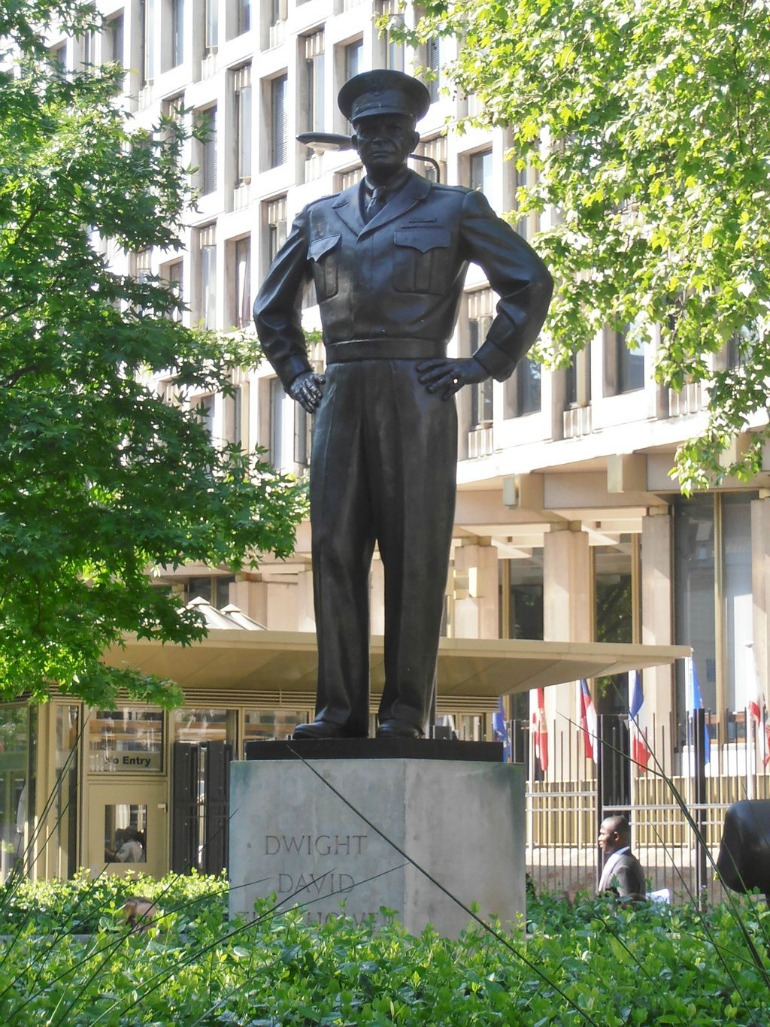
{"type": "Point", "coordinates": [376, 202]}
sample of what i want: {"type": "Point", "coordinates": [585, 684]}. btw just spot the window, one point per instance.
{"type": "Point", "coordinates": [212, 25]}
{"type": "Point", "coordinates": [278, 408]}
{"type": "Point", "coordinates": [629, 365]}
{"type": "Point", "coordinates": [520, 180]}
{"type": "Point", "coordinates": [480, 168]}
{"type": "Point", "coordinates": [303, 433]}
{"type": "Point", "coordinates": [242, 280]}
{"type": "Point", "coordinates": [173, 110]}
{"type": "Point", "coordinates": [521, 596]}
{"type": "Point", "coordinates": [577, 391]}
{"type": "Point", "coordinates": [712, 542]}
{"type": "Point", "coordinates": [88, 44]}
{"type": "Point", "coordinates": [115, 38]}
{"type": "Point", "coordinates": [125, 833]}
{"type": "Point", "coordinates": [233, 416]}
{"type": "Point", "coordinates": [175, 275]}
{"type": "Point", "coordinates": [262, 725]}
{"type": "Point", "coordinates": [278, 11]}
{"type": "Point", "coordinates": [213, 588]}
{"type": "Point", "coordinates": [242, 96]}
{"type": "Point", "coordinates": [65, 833]}
{"type": "Point", "coordinates": [275, 216]}
{"type": "Point", "coordinates": [127, 740]}
{"type": "Point", "coordinates": [353, 54]}
{"type": "Point", "coordinates": [522, 391]}
{"type": "Point", "coordinates": [479, 320]}
{"type": "Point", "coordinates": [204, 409]}
{"type": "Point", "coordinates": [278, 148]}
{"type": "Point", "coordinates": [433, 65]}
{"type": "Point", "coordinates": [143, 265]}
{"type": "Point", "coordinates": [59, 57]}
{"type": "Point", "coordinates": [177, 32]}
{"type": "Point", "coordinates": [208, 277]}
{"type": "Point", "coordinates": [197, 726]}
{"type": "Point", "coordinates": [613, 569]}
{"type": "Point", "coordinates": [148, 41]}
{"type": "Point", "coordinates": [314, 82]}
{"type": "Point", "coordinates": [207, 134]}
{"type": "Point", "coordinates": [18, 816]}
{"type": "Point", "coordinates": [739, 346]}
{"type": "Point", "coordinates": [435, 151]}
{"type": "Point", "coordinates": [394, 50]}
{"type": "Point", "coordinates": [244, 16]}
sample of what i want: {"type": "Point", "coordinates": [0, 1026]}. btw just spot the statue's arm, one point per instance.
{"type": "Point", "coordinates": [519, 277]}
{"type": "Point", "coordinates": [277, 308]}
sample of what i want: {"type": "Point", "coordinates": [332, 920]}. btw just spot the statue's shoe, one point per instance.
{"type": "Point", "coordinates": [398, 729]}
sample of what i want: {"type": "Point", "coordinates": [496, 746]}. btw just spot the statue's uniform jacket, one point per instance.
{"type": "Point", "coordinates": [384, 449]}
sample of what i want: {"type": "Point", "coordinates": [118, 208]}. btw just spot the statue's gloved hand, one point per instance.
{"type": "Point", "coordinates": [307, 390]}
{"type": "Point", "coordinates": [447, 375]}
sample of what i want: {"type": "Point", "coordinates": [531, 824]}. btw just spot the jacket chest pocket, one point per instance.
{"type": "Point", "coordinates": [324, 257]}
{"type": "Point", "coordinates": [420, 259]}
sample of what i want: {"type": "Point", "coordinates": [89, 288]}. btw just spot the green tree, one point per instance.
{"type": "Point", "coordinates": [647, 126]}
{"type": "Point", "coordinates": [100, 480]}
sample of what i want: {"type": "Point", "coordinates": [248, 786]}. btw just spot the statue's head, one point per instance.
{"type": "Point", "coordinates": [384, 107]}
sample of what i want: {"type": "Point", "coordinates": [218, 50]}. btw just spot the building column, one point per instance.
{"type": "Point", "coordinates": [658, 620]}
{"type": "Point", "coordinates": [567, 617]}
{"type": "Point", "coordinates": [377, 597]}
{"type": "Point", "coordinates": [760, 587]}
{"type": "Point", "coordinates": [567, 586]}
{"type": "Point", "coordinates": [305, 610]}
{"type": "Point", "coordinates": [477, 614]}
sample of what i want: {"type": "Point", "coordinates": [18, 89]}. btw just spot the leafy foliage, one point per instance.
{"type": "Point", "coordinates": [100, 479]}
{"type": "Point", "coordinates": [588, 963]}
{"type": "Point", "coordinates": [646, 124]}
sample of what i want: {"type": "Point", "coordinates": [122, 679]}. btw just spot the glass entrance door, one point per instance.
{"type": "Point", "coordinates": [128, 828]}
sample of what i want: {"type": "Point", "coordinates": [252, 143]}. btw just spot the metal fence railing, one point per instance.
{"type": "Point", "coordinates": [676, 802]}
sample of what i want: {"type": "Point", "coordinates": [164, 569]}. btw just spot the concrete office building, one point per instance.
{"type": "Point", "coordinates": [568, 526]}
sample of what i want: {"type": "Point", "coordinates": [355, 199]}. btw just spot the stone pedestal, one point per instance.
{"type": "Point", "coordinates": [318, 833]}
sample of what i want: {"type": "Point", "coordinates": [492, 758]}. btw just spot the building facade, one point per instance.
{"type": "Point", "coordinates": [568, 526]}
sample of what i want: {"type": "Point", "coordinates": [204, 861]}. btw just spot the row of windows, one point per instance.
{"type": "Point", "coordinates": [162, 42]}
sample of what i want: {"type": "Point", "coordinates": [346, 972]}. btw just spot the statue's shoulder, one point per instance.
{"type": "Point", "coordinates": [440, 188]}
{"type": "Point", "coordinates": [322, 202]}
{"type": "Point", "coordinates": [454, 195]}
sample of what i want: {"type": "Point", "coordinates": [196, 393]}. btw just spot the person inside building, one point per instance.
{"type": "Point", "coordinates": [622, 874]}
{"type": "Point", "coordinates": [388, 258]}
{"type": "Point", "coordinates": [131, 849]}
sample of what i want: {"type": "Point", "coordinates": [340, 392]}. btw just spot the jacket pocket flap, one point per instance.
{"type": "Point", "coordinates": [321, 247]}
{"type": "Point", "coordinates": [423, 238]}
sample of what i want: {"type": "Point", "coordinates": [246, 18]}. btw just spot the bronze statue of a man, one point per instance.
{"type": "Point", "coordinates": [388, 258]}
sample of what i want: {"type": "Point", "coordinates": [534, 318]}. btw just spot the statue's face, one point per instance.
{"type": "Point", "coordinates": [383, 143]}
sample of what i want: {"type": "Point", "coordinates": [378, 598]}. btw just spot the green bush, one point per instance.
{"type": "Point", "coordinates": [68, 958]}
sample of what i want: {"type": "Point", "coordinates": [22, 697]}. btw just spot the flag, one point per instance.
{"type": "Point", "coordinates": [500, 729]}
{"type": "Point", "coordinates": [640, 750]}
{"type": "Point", "coordinates": [758, 710]}
{"type": "Point", "coordinates": [760, 729]}
{"type": "Point", "coordinates": [694, 700]}
{"type": "Point", "coordinates": [540, 733]}
{"type": "Point", "coordinates": [588, 721]}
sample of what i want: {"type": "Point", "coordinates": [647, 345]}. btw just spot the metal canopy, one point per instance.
{"type": "Point", "coordinates": [286, 661]}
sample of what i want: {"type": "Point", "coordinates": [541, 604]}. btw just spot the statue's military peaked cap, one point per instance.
{"type": "Point", "coordinates": [383, 92]}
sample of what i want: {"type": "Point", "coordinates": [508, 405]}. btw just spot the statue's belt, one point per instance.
{"type": "Point", "coordinates": [384, 349]}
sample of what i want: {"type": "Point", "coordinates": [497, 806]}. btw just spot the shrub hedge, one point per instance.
{"type": "Point", "coordinates": [68, 958]}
